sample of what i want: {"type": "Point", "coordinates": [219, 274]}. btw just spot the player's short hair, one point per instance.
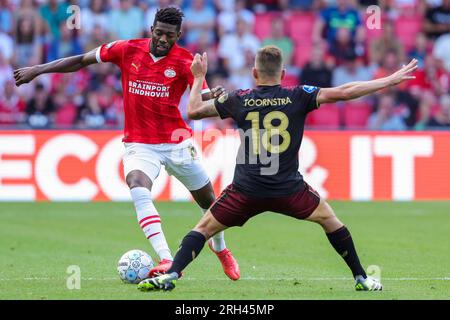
{"type": "Point", "coordinates": [169, 15]}
{"type": "Point", "coordinates": [269, 61]}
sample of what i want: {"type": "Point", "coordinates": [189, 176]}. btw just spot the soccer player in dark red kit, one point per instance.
{"type": "Point", "coordinates": [271, 120]}
{"type": "Point", "coordinates": [155, 74]}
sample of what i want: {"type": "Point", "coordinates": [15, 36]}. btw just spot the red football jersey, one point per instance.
{"type": "Point", "coordinates": [152, 89]}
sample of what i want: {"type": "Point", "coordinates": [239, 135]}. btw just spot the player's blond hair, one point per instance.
{"type": "Point", "coordinates": [269, 61]}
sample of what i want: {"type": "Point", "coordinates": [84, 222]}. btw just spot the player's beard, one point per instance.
{"type": "Point", "coordinates": [159, 52]}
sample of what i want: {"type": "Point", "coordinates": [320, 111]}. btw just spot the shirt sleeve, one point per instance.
{"type": "Point", "coordinates": [111, 52]}
{"type": "Point", "coordinates": [226, 105]}
{"type": "Point", "coordinates": [308, 97]}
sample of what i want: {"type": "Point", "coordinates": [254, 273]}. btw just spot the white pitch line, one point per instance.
{"type": "Point", "coordinates": [241, 279]}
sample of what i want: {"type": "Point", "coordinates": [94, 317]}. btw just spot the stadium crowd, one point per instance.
{"type": "Point", "coordinates": [325, 43]}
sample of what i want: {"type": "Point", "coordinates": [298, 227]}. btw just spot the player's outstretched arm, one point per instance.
{"type": "Point", "coordinates": [197, 108]}
{"type": "Point", "coordinates": [69, 64]}
{"type": "Point", "coordinates": [353, 90]}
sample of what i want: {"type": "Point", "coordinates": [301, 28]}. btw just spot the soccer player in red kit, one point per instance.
{"type": "Point", "coordinates": [155, 74]}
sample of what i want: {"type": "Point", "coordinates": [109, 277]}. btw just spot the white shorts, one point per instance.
{"type": "Point", "coordinates": [180, 160]}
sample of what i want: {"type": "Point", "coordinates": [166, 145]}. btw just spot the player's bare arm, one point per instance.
{"type": "Point", "coordinates": [197, 108]}
{"type": "Point", "coordinates": [63, 65]}
{"type": "Point", "coordinates": [358, 89]}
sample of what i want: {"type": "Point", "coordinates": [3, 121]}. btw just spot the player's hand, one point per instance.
{"type": "Point", "coordinates": [405, 73]}
{"type": "Point", "coordinates": [199, 65]}
{"type": "Point", "coordinates": [25, 75]}
{"type": "Point", "coordinates": [217, 92]}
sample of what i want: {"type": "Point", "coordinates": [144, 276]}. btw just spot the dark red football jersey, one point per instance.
{"type": "Point", "coordinates": [152, 89]}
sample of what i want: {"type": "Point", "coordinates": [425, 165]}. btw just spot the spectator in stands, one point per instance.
{"type": "Point", "coordinates": [97, 37]}
{"type": "Point", "coordinates": [231, 57]}
{"type": "Point", "coordinates": [366, 3]}
{"type": "Point", "coordinates": [420, 50]}
{"type": "Point", "coordinates": [6, 71]}
{"type": "Point", "coordinates": [316, 72]}
{"type": "Point", "coordinates": [28, 9]}
{"type": "Point", "coordinates": [278, 38]}
{"type": "Point", "coordinates": [389, 65]}
{"type": "Point", "coordinates": [11, 106]}
{"type": "Point", "coordinates": [228, 17]}
{"type": "Point", "coordinates": [66, 45]}
{"type": "Point", "coordinates": [6, 46]}
{"type": "Point", "coordinates": [395, 8]}
{"type": "Point", "coordinates": [203, 45]}
{"type": "Point", "coordinates": [441, 50]}
{"type": "Point", "coordinates": [91, 115]}
{"type": "Point", "coordinates": [25, 55]}
{"type": "Point", "coordinates": [233, 47]}
{"type": "Point", "coordinates": [434, 116]}
{"type": "Point", "coordinates": [40, 109]}
{"type": "Point", "coordinates": [111, 102]}
{"type": "Point", "coordinates": [351, 70]}
{"type": "Point", "coordinates": [6, 18]}
{"type": "Point", "coordinates": [441, 119]}
{"type": "Point", "coordinates": [437, 20]}
{"type": "Point", "coordinates": [264, 5]}
{"type": "Point", "coordinates": [343, 46]}
{"type": "Point", "coordinates": [431, 78]}
{"type": "Point", "coordinates": [406, 100]}
{"type": "Point", "coordinates": [388, 42]}
{"type": "Point", "coordinates": [54, 13]}
{"type": "Point", "coordinates": [426, 108]}
{"type": "Point", "coordinates": [94, 16]}
{"type": "Point", "coordinates": [28, 44]}
{"type": "Point", "coordinates": [298, 4]}
{"type": "Point", "coordinates": [126, 22]}
{"type": "Point", "coordinates": [385, 118]}
{"type": "Point", "coordinates": [199, 19]}
{"type": "Point", "coordinates": [343, 15]}
{"type": "Point", "coordinates": [242, 78]}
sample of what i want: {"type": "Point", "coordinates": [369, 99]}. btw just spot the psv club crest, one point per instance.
{"type": "Point", "coordinates": [170, 73]}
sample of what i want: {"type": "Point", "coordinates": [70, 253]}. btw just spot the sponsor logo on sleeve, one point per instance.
{"type": "Point", "coordinates": [223, 98]}
{"type": "Point", "coordinates": [309, 89]}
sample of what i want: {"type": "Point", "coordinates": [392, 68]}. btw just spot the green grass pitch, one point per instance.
{"type": "Point", "coordinates": [280, 258]}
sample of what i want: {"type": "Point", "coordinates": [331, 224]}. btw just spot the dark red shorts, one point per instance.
{"type": "Point", "coordinates": [234, 208]}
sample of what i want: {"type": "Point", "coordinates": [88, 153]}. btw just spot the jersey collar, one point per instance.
{"type": "Point", "coordinates": [156, 59]}
{"type": "Point", "coordinates": [267, 86]}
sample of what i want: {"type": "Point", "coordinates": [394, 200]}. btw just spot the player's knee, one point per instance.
{"type": "Point", "coordinates": [326, 218]}
{"type": "Point", "coordinates": [323, 213]}
{"type": "Point", "coordinates": [137, 179]}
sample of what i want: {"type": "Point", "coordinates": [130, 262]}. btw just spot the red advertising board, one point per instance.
{"type": "Point", "coordinates": [86, 165]}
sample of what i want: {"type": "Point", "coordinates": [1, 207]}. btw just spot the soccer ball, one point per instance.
{"type": "Point", "coordinates": [134, 266]}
